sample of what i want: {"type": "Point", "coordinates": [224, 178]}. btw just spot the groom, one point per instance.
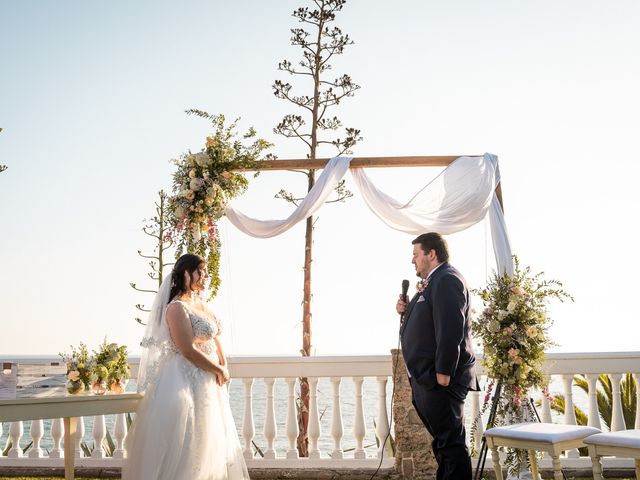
{"type": "Point", "coordinates": [436, 346]}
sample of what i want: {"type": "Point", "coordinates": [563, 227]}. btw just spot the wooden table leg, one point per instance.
{"type": "Point", "coordinates": [534, 465]}
{"type": "Point", "coordinates": [638, 467]}
{"type": "Point", "coordinates": [596, 464]}
{"type": "Point", "coordinates": [70, 426]}
{"type": "Point", "coordinates": [557, 467]}
{"type": "Point", "coordinates": [495, 458]}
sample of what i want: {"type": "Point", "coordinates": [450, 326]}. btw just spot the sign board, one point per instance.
{"type": "Point", "coordinates": [8, 380]}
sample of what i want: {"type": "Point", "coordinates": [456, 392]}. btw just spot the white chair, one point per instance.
{"type": "Point", "coordinates": [547, 437]}
{"type": "Point", "coordinates": [624, 443]}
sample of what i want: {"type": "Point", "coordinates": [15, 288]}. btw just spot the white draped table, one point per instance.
{"type": "Point", "coordinates": [69, 409]}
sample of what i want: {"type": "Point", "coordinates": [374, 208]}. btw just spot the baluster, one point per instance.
{"type": "Point", "coordinates": [270, 428]}
{"type": "Point", "coordinates": [617, 418]}
{"type": "Point", "coordinates": [79, 438]}
{"type": "Point", "coordinates": [36, 431]}
{"type": "Point", "coordinates": [636, 376]}
{"type": "Point", "coordinates": [594, 412]}
{"type": "Point", "coordinates": [359, 427]}
{"type": "Point", "coordinates": [16, 430]}
{"type": "Point", "coordinates": [292, 419]}
{"type": "Point", "coordinates": [248, 429]}
{"type": "Point", "coordinates": [476, 421]}
{"type": "Point", "coordinates": [382, 423]}
{"type": "Point", "coordinates": [546, 405]}
{"type": "Point", "coordinates": [56, 435]}
{"type": "Point", "coordinates": [314, 419]}
{"type": "Point", "coordinates": [120, 432]}
{"type": "Point", "coordinates": [99, 432]}
{"type": "Point", "coordinates": [336, 420]}
{"type": "Point", "coordinates": [569, 412]}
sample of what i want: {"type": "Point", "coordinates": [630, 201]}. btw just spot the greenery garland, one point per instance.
{"type": "Point", "coordinates": [203, 184]}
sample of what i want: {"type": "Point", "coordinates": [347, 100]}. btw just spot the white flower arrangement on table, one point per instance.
{"type": "Point", "coordinates": [79, 369]}
{"type": "Point", "coordinates": [203, 184]}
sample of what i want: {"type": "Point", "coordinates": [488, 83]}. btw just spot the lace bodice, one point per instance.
{"type": "Point", "coordinates": [204, 328]}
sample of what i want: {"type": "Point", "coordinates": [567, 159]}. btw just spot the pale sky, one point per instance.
{"type": "Point", "coordinates": [92, 96]}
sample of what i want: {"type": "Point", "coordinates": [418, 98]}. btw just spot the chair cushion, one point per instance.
{"type": "Point", "coordinates": [623, 438]}
{"type": "Point", "coordinates": [542, 432]}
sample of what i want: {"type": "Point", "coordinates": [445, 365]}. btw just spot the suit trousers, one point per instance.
{"type": "Point", "coordinates": [442, 412]}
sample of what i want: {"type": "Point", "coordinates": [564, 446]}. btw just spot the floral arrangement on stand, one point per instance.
{"type": "Point", "coordinates": [79, 369]}
{"type": "Point", "coordinates": [111, 368]}
{"type": "Point", "coordinates": [106, 369]}
{"type": "Point", "coordinates": [203, 184]}
{"type": "Point", "coordinates": [514, 330]}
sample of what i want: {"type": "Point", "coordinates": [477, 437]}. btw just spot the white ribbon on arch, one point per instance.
{"type": "Point", "coordinates": [461, 196]}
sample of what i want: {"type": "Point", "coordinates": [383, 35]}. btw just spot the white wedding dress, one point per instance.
{"type": "Point", "coordinates": [183, 429]}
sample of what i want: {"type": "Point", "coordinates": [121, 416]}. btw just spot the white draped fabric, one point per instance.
{"type": "Point", "coordinates": [326, 183]}
{"type": "Point", "coordinates": [461, 196]}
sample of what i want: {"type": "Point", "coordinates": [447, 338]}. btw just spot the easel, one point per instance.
{"type": "Point", "coordinates": [482, 456]}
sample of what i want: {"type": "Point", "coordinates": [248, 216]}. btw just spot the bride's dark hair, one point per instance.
{"type": "Point", "coordinates": [188, 262]}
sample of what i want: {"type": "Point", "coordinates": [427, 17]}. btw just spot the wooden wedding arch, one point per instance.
{"type": "Point", "coordinates": [356, 162]}
{"type": "Point", "coordinates": [371, 162]}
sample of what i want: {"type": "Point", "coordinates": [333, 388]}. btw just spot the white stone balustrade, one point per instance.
{"type": "Point", "coordinates": [346, 394]}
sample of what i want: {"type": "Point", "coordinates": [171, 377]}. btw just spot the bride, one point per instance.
{"type": "Point", "coordinates": [183, 428]}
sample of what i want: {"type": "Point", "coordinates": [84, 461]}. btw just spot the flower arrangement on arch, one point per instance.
{"type": "Point", "coordinates": [203, 184]}
{"type": "Point", "coordinates": [514, 330]}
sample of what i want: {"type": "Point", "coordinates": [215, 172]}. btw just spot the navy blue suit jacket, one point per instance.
{"type": "Point", "coordinates": [436, 335]}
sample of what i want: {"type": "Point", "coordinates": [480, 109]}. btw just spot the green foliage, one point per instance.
{"type": "Point", "coordinates": [604, 397]}
{"type": "Point", "coordinates": [111, 363]}
{"type": "Point", "coordinates": [204, 183]}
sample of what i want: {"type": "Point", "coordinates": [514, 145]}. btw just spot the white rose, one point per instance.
{"type": "Point", "coordinates": [209, 201]}
{"type": "Point", "coordinates": [180, 212]}
{"type": "Point", "coordinates": [190, 195]}
{"type": "Point", "coordinates": [192, 173]}
{"type": "Point", "coordinates": [202, 159]}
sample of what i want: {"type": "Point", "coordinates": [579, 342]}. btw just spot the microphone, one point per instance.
{"type": "Point", "coordinates": [405, 289]}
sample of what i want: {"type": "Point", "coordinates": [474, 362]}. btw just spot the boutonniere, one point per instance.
{"type": "Point", "coordinates": [422, 285]}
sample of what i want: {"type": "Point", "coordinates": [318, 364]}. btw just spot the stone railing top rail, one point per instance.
{"type": "Point", "coordinates": [375, 365]}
